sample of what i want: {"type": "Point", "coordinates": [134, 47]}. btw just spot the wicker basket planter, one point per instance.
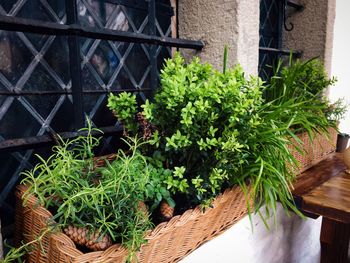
{"type": "Point", "coordinates": [168, 242]}
{"type": "Point", "coordinates": [315, 151]}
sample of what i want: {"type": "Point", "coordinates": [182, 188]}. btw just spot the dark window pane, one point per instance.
{"type": "Point", "coordinates": [15, 57]}
{"type": "Point", "coordinates": [7, 5]}
{"type": "Point", "coordinates": [16, 120]}
{"type": "Point", "coordinates": [52, 11]}
{"type": "Point", "coordinates": [64, 117]}
{"type": "Point", "coordinates": [9, 165]}
{"type": "Point", "coordinates": [270, 17]}
{"type": "Point", "coordinates": [137, 62]}
{"type": "Point", "coordinates": [41, 80]}
{"type": "Point", "coordinates": [57, 57]}
{"type": "Point", "coordinates": [164, 53]}
{"type": "Point", "coordinates": [45, 105]}
{"type": "Point", "coordinates": [96, 108]}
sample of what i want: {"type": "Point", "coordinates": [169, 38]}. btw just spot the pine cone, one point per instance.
{"type": "Point", "coordinates": [166, 211]}
{"type": "Point", "coordinates": [143, 207]}
{"type": "Point", "coordinates": [93, 241]}
{"type": "Point", "coordinates": [147, 128]}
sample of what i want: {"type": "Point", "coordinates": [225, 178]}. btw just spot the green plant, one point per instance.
{"type": "Point", "coordinates": [15, 254]}
{"type": "Point", "coordinates": [336, 111]}
{"type": "Point", "coordinates": [124, 106]}
{"type": "Point", "coordinates": [106, 199]}
{"type": "Point", "coordinates": [215, 128]}
{"type": "Point", "coordinates": [300, 87]}
{"type": "Point", "coordinates": [196, 114]}
{"type": "Point", "coordinates": [302, 80]}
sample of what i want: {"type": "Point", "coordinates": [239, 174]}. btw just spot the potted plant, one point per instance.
{"type": "Point", "coordinates": [208, 143]}
{"type": "Point", "coordinates": [216, 126]}
{"type": "Point", "coordinates": [300, 87]}
{"type": "Point", "coordinates": [94, 205]}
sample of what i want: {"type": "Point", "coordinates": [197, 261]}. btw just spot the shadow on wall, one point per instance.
{"type": "Point", "coordinates": [291, 240]}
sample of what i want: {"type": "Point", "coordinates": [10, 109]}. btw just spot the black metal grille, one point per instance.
{"type": "Point", "coordinates": [272, 22]}
{"type": "Point", "coordinates": [270, 34]}
{"type": "Point", "coordinates": [87, 49]}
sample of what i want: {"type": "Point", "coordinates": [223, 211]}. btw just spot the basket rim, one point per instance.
{"type": "Point", "coordinates": [176, 221]}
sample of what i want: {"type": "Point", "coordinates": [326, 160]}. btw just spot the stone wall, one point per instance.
{"type": "Point", "coordinates": [219, 23]}
{"type": "Point", "coordinates": [313, 30]}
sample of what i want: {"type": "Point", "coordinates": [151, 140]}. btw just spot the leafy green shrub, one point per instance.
{"type": "Point", "coordinates": [125, 108]}
{"type": "Point", "coordinates": [336, 111]}
{"type": "Point", "coordinates": [216, 127]}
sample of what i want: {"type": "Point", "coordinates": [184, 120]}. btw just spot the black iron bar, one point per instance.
{"type": "Point", "coordinates": [66, 92]}
{"type": "Point", "coordinates": [296, 54]}
{"type": "Point", "coordinates": [280, 25]}
{"type": "Point", "coordinates": [13, 145]}
{"type": "Point", "coordinates": [296, 6]}
{"type": "Point", "coordinates": [142, 5]}
{"type": "Point", "coordinates": [75, 65]}
{"type": "Point", "coordinates": [152, 49]}
{"type": "Point", "coordinates": [48, 28]}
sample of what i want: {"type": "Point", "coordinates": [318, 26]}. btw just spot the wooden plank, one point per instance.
{"type": "Point", "coordinates": [331, 199]}
{"type": "Point", "coordinates": [334, 240]}
{"type": "Point", "coordinates": [320, 173]}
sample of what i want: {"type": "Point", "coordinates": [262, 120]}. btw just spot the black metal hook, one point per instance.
{"type": "Point", "coordinates": [285, 18]}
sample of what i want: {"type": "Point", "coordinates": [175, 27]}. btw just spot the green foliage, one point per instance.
{"type": "Point", "coordinates": [101, 198]}
{"type": "Point", "coordinates": [16, 254]}
{"type": "Point", "coordinates": [336, 111]}
{"type": "Point", "coordinates": [213, 131]}
{"type": "Point", "coordinates": [220, 129]}
{"type": "Point", "coordinates": [300, 80]}
{"type": "Point", "coordinates": [200, 112]}
{"type": "Point", "coordinates": [124, 107]}
{"type": "Point", "coordinates": [304, 84]}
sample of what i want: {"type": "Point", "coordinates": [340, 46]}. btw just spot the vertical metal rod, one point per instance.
{"type": "Point", "coordinates": [280, 26]}
{"type": "Point", "coordinates": [75, 64]}
{"type": "Point", "coordinates": [153, 48]}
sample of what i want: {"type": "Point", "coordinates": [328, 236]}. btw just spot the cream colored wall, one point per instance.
{"type": "Point", "coordinates": [313, 30]}
{"type": "Point", "coordinates": [341, 59]}
{"type": "Point", "coordinates": [219, 23]}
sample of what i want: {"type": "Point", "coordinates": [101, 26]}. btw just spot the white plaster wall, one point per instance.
{"type": "Point", "coordinates": [290, 240]}
{"type": "Point", "coordinates": [341, 58]}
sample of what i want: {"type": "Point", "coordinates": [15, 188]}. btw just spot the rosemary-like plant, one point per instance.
{"type": "Point", "coordinates": [106, 198]}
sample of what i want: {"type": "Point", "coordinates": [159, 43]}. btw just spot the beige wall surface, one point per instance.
{"type": "Point", "coordinates": [341, 60]}
{"type": "Point", "coordinates": [219, 23]}
{"type": "Point", "coordinates": [313, 30]}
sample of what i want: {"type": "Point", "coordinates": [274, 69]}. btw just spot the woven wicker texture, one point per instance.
{"type": "Point", "coordinates": [168, 242]}
{"type": "Point", "coordinates": [315, 151]}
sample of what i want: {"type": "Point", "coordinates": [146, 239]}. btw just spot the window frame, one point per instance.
{"type": "Point", "coordinates": [73, 30]}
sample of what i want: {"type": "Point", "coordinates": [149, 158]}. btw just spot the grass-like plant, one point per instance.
{"type": "Point", "coordinates": [301, 86]}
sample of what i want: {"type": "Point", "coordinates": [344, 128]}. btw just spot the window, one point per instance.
{"type": "Point", "coordinates": [60, 59]}
{"type": "Point", "coordinates": [272, 22]}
